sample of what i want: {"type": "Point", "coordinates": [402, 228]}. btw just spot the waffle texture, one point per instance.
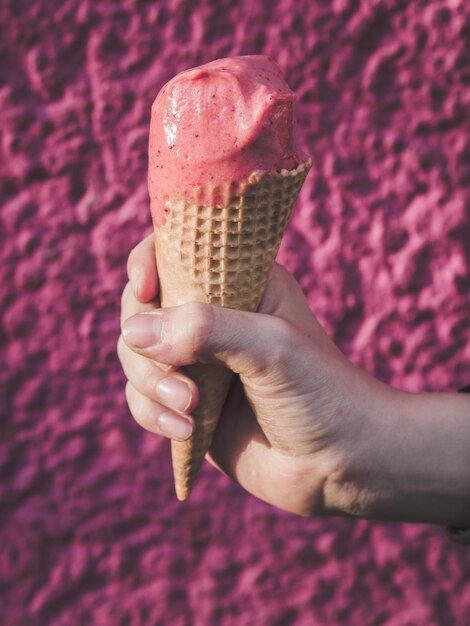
{"type": "Point", "coordinates": [221, 255]}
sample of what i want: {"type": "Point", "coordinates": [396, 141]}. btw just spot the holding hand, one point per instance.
{"type": "Point", "coordinates": [302, 427]}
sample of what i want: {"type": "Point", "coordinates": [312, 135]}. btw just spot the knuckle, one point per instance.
{"type": "Point", "coordinates": [279, 328]}
{"type": "Point", "coordinates": [126, 294]}
{"type": "Point", "coordinates": [129, 396]}
{"type": "Point", "coordinates": [131, 258]}
{"type": "Point", "coordinates": [120, 347]}
{"type": "Point", "coordinates": [199, 327]}
{"type": "Point", "coordinates": [135, 407]}
{"type": "Point", "coordinates": [285, 342]}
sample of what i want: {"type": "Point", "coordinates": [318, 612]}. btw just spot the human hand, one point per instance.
{"type": "Point", "coordinates": [302, 427]}
{"type": "Point", "coordinates": [288, 417]}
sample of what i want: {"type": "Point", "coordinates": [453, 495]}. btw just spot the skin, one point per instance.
{"type": "Point", "coordinates": [303, 428]}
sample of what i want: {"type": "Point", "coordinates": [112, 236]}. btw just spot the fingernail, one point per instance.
{"type": "Point", "coordinates": [175, 426]}
{"type": "Point", "coordinates": [174, 392]}
{"type": "Point", "coordinates": [143, 330]}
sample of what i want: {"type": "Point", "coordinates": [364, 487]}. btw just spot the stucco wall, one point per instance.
{"type": "Point", "coordinates": [91, 533]}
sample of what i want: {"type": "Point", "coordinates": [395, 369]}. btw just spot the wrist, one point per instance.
{"type": "Point", "coordinates": [359, 485]}
{"type": "Point", "coordinates": [411, 461]}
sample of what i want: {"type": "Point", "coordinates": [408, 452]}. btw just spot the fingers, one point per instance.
{"type": "Point", "coordinates": [247, 343]}
{"type": "Point", "coordinates": [156, 418]}
{"type": "Point", "coordinates": [142, 270]}
{"type": "Point", "coordinates": [159, 398]}
{"type": "Point", "coordinates": [130, 305]}
{"type": "Point", "coordinates": [284, 297]}
{"type": "Point", "coordinates": [171, 389]}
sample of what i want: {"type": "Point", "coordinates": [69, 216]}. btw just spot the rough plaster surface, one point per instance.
{"type": "Point", "coordinates": [91, 533]}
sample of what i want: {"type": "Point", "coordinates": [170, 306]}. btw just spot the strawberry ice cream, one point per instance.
{"type": "Point", "coordinates": [219, 123]}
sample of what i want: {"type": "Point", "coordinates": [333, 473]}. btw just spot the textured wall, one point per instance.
{"type": "Point", "coordinates": [91, 533]}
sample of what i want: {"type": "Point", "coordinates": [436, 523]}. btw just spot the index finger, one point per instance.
{"type": "Point", "coordinates": [142, 270]}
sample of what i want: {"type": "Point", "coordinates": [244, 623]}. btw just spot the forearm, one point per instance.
{"type": "Point", "coordinates": [413, 461]}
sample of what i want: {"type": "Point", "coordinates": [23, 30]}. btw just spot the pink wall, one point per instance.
{"type": "Point", "coordinates": [91, 533]}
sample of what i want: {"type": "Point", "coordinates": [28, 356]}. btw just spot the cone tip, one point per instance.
{"type": "Point", "coordinates": [182, 491]}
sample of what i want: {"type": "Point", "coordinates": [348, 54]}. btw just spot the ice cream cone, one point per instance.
{"type": "Point", "coordinates": [220, 250]}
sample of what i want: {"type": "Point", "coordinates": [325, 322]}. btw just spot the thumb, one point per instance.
{"type": "Point", "coordinates": [250, 344]}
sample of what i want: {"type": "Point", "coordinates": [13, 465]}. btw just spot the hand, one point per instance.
{"type": "Point", "coordinates": [302, 428]}
{"type": "Point", "coordinates": [282, 431]}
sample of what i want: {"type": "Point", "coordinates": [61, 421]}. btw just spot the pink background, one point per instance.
{"type": "Point", "coordinates": [91, 533]}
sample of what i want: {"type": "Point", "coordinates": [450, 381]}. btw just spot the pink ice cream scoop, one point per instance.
{"type": "Point", "coordinates": [217, 124]}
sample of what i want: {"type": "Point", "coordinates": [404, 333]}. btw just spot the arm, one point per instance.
{"type": "Point", "coordinates": [414, 461]}
{"type": "Point", "coordinates": [304, 429]}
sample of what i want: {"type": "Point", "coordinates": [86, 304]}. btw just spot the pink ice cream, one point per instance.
{"type": "Point", "coordinates": [217, 124]}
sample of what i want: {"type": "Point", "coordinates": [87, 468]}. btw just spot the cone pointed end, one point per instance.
{"type": "Point", "coordinates": [183, 491]}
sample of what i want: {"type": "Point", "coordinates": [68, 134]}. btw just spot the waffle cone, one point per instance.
{"type": "Point", "coordinates": [220, 250]}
